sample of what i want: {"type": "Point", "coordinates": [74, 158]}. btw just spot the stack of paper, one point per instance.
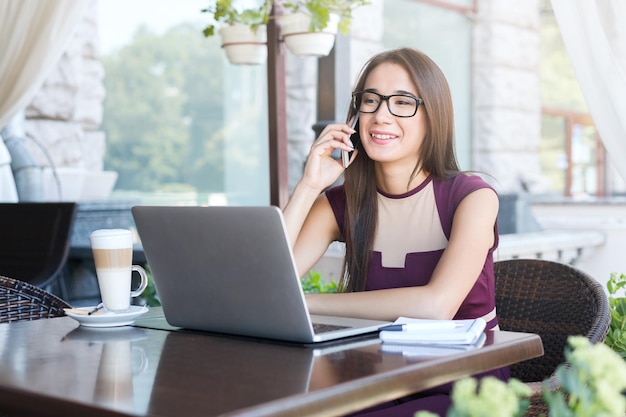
{"type": "Point", "coordinates": [418, 337]}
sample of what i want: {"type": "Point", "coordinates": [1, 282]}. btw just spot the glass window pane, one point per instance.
{"type": "Point", "coordinates": [182, 125]}
{"type": "Point", "coordinates": [584, 161]}
{"type": "Point", "coordinates": [553, 155]}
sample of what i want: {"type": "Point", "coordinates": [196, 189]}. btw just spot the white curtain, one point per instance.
{"type": "Point", "coordinates": [33, 36]}
{"type": "Point", "coordinates": [594, 33]}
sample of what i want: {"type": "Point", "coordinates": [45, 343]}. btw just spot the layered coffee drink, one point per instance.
{"type": "Point", "coordinates": [113, 254]}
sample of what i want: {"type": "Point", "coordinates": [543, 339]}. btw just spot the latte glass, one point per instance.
{"type": "Point", "coordinates": [113, 255]}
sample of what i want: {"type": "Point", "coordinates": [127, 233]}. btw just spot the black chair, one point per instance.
{"type": "Point", "coordinates": [35, 240]}
{"type": "Point", "coordinates": [21, 301]}
{"type": "Point", "coordinates": [553, 300]}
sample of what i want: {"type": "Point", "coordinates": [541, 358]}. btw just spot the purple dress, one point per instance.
{"type": "Point", "coordinates": [413, 231]}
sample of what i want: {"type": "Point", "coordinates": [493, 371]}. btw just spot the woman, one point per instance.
{"type": "Point", "coordinates": [419, 233]}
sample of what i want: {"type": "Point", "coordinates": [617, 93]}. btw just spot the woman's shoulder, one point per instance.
{"type": "Point", "coordinates": [336, 192]}
{"type": "Point", "coordinates": [462, 182]}
{"type": "Point", "coordinates": [451, 191]}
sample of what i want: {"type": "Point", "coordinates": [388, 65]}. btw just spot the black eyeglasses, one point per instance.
{"type": "Point", "coordinates": [400, 105]}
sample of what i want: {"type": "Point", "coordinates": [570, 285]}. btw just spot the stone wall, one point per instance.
{"type": "Point", "coordinates": [65, 115]}
{"type": "Point", "coordinates": [506, 97]}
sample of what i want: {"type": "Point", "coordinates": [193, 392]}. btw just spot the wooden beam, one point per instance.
{"type": "Point", "coordinates": [277, 111]}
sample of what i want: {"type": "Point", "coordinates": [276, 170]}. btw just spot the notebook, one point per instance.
{"type": "Point", "coordinates": [428, 338]}
{"type": "Point", "coordinates": [429, 349]}
{"type": "Point", "coordinates": [442, 332]}
{"type": "Point", "coordinates": [231, 270]}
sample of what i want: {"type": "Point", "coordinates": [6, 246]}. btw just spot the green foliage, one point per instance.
{"type": "Point", "coordinates": [224, 12]}
{"type": "Point", "coordinates": [314, 284]}
{"type": "Point", "coordinates": [320, 11]}
{"type": "Point", "coordinates": [616, 338]}
{"type": "Point", "coordinates": [490, 398]}
{"type": "Point", "coordinates": [150, 297]}
{"type": "Point", "coordinates": [593, 382]}
{"type": "Point", "coordinates": [163, 111]}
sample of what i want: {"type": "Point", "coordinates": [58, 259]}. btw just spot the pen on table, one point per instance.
{"type": "Point", "coordinates": [420, 326]}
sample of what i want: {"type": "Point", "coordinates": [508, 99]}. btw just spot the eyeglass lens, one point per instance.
{"type": "Point", "coordinates": [398, 104]}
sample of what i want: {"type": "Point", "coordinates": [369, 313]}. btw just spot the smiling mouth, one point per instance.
{"type": "Point", "coordinates": [382, 137]}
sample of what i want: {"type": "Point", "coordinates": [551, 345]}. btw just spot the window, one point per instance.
{"type": "Point", "coordinates": [572, 155]}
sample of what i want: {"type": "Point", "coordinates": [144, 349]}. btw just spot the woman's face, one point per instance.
{"type": "Point", "coordinates": [387, 138]}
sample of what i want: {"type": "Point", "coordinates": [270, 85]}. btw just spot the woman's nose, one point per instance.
{"type": "Point", "coordinates": [383, 112]}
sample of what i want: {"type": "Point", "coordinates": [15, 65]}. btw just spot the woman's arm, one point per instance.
{"type": "Point", "coordinates": [458, 269]}
{"type": "Point", "coordinates": [318, 231]}
{"type": "Point", "coordinates": [311, 225]}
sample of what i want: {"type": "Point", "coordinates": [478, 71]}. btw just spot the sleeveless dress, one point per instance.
{"type": "Point", "coordinates": [413, 231]}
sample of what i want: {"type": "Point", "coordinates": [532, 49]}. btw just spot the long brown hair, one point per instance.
{"type": "Point", "coordinates": [436, 156]}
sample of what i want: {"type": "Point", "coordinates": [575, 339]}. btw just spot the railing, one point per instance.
{"type": "Point", "coordinates": [562, 246]}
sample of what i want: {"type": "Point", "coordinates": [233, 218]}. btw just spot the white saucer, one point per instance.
{"type": "Point", "coordinates": [108, 318]}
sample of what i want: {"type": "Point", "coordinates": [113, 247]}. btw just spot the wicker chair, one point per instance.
{"type": "Point", "coordinates": [22, 301]}
{"type": "Point", "coordinates": [555, 301]}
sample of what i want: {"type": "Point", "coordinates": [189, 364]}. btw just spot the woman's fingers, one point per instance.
{"type": "Point", "coordinates": [335, 136]}
{"type": "Point", "coordinates": [321, 168]}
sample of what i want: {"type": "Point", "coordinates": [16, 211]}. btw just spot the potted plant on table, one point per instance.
{"type": "Point", "coordinates": [309, 27]}
{"type": "Point", "coordinates": [243, 33]}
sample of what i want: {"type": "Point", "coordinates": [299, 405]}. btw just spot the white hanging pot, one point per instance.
{"type": "Point", "coordinates": [243, 45]}
{"type": "Point", "coordinates": [295, 29]}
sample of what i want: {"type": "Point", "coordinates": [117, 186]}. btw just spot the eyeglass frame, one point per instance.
{"type": "Point", "coordinates": [418, 102]}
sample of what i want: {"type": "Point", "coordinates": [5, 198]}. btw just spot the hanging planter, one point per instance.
{"type": "Point", "coordinates": [300, 40]}
{"type": "Point", "coordinates": [309, 27]}
{"type": "Point", "coordinates": [243, 32]}
{"type": "Point", "coordinates": [243, 44]}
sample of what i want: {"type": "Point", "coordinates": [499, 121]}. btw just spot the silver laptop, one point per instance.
{"type": "Point", "coordinates": [231, 270]}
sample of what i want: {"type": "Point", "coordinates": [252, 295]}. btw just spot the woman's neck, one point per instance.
{"type": "Point", "coordinates": [395, 180]}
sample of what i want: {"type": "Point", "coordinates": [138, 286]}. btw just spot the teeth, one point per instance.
{"type": "Point", "coordinates": [382, 136]}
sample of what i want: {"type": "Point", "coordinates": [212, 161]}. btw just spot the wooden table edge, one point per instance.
{"type": "Point", "coordinates": [335, 401]}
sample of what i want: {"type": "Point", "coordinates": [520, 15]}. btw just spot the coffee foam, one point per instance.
{"type": "Point", "coordinates": [111, 239]}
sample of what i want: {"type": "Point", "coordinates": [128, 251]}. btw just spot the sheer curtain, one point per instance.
{"type": "Point", "coordinates": [33, 36]}
{"type": "Point", "coordinates": [594, 33]}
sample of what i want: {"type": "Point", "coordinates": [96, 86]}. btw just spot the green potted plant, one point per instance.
{"type": "Point", "coordinates": [309, 27]}
{"type": "Point", "coordinates": [592, 383]}
{"type": "Point", "coordinates": [616, 338]}
{"type": "Point", "coordinates": [243, 32]}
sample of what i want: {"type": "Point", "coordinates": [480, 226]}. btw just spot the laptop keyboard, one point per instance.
{"type": "Point", "coordinates": [323, 328]}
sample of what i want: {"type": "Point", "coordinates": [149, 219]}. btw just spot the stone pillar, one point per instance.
{"type": "Point", "coordinates": [506, 96]}
{"type": "Point", "coordinates": [65, 115]}
{"type": "Point", "coordinates": [301, 83]}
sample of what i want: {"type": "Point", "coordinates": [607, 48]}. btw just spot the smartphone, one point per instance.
{"type": "Point", "coordinates": [345, 155]}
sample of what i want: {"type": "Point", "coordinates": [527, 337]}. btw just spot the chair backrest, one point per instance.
{"type": "Point", "coordinates": [35, 240]}
{"type": "Point", "coordinates": [22, 301]}
{"type": "Point", "coordinates": [553, 300]}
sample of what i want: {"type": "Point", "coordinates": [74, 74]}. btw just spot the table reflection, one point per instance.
{"type": "Point", "coordinates": [120, 361]}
